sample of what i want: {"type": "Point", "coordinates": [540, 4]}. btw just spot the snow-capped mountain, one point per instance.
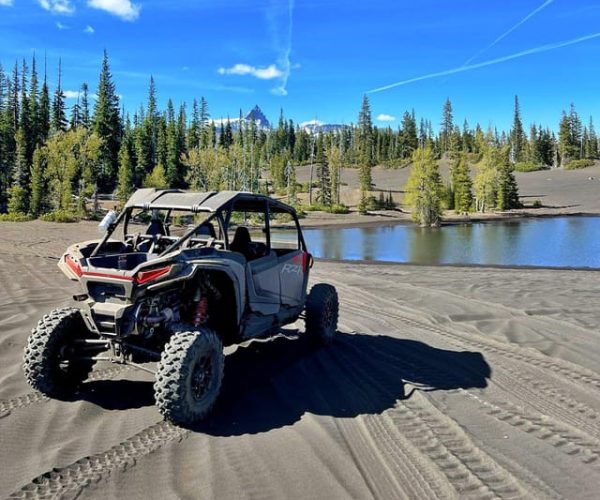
{"type": "Point", "coordinates": [318, 127]}
{"type": "Point", "coordinates": [257, 116]}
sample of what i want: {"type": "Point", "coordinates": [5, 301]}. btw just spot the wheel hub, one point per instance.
{"type": "Point", "coordinates": [201, 377]}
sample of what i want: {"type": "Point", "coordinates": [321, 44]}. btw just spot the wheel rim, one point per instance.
{"type": "Point", "coordinates": [64, 357]}
{"type": "Point", "coordinates": [201, 377]}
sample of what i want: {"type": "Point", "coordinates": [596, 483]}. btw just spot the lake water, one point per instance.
{"type": "Point", "coordinates": [548, 242]}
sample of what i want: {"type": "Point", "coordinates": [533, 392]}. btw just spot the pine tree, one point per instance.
{"type": "Point", "coordinates": [461, 185]}
{"type": "Point", "coordinates": [485, 184]}
{"type": "Point", "coordinates": [107, 126]}
{"type": "Point", "coordinates": [125, 181]}
{"type": "Point", "coordinates": [507, 194]}
{"type": "Point", "coordinates": [576, 132]}
{"type": "Point", "coordinates": [44, 112]}
{"type": "Point", "coordinates": [13, 97]}
{"type": "Point", "coordinates": [324, 181]}
{"type": "Point", "coordinates": [591, 144]}
{"type": "Point", "coordinates": [18, 193]}
{"type": "Point", "coordinates": [518, 141]}
{"type": "Point", "coordinates": [195, 130]}
{"type": "Point", "coordinates": [26, 124]}
{"type": "Point", "coordinates": [365, 152]}
{"type": "Point", "coordinates": [173, 168]}
{"type": "Point", "coordinates": [227, 140]}
{"type": "Point", "coordinates": [85, 107]}
{"type": "Point", "coordinates": [207, 131]}
{"type": "Point", "coordinates": [7, 138]}
{"type": "Point", "coordinates": [447, 127]}
{"type": "Point", "coordinates": [334, 161]}
{"type": "Point", "coordinates": [570, 142]}
{"type": "Point", "coordinates": [75, 115]}
{"type": "Point", "coordinates": [150, 126]}
{"type": "Point", "coordinates": [38, 202]}
{"type": "Point", "coordinates": [467, 139]}
{"type": "Point", "coordinates": [59, 119]}
{"type": "Point", "coordinates": [424, 189]}
{"type": "Point", "coordinates": [34, 112]}
{"type": "Point", "coordinates": [408, 135]}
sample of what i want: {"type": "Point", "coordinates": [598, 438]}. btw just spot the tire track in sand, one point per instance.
{"type": "Point", "coordinates": [567, 418]}
{"type": "Point", "coordinates": [69, 481]}
{"type": "Point", "coordinates": [417, 424]}
{"type": "Point", "coordinates": [34, 397]}
{"type": "Point", "coordinates": [546, 398]}
{"type": "Point", "coordinates": [568, 370]}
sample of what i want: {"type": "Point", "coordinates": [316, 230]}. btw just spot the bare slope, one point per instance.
{"type": "Point", "coordinates": [571, 191]}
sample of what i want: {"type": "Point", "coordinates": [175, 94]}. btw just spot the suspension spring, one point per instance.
{"type": "Point", "coordinates": [201, 314]}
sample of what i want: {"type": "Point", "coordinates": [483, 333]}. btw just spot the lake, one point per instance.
{"type": "Point", "coordinates": [547, 242]}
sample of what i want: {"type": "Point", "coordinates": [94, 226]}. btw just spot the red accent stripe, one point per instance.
{"type": "Point", "coordinates": [106, 275]}
{"type": "Point", "coordinates": [145, 276]}
{"type": "Point", "coordinates": [73, 266]}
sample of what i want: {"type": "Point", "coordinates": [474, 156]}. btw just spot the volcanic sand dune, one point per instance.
{"type": "Point", "coordinates": [444, 382]}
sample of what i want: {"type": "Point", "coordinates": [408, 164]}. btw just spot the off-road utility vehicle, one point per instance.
{"type": "Point", "coordinates": [229, 275]}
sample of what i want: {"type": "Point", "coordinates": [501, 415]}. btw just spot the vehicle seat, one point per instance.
{"type": "Point", "coordinates": [207, 229]}
{"type": "Point", "coordinates": [156, 227]}
{"type": "Point", "coordinates": [241, 242]}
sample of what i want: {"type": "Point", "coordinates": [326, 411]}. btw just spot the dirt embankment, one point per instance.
{"type": "Point", "coordinates": [561, 192]}
{"type": "Point", "coordinates": [443, 383]}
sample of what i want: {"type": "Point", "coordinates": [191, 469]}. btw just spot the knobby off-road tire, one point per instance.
{"type": "Point", "coordinates": [189, 376]}
{"type": "Point", "coordinates": [322, 310]}
{"type": "Point", "coordinates": [48, 364]}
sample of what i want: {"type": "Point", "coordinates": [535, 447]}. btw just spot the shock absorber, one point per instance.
{"type": "Point", "coordinates": [201, 313]}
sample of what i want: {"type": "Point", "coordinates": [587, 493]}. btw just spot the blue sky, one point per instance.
{"type": "Point", "coordinates": [316, 58]}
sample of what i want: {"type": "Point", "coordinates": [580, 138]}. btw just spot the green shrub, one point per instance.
{"type": "Point", "coordinates": [60, 216]}
{"type": "Point", "coordinates": [319, 207]}
{"type": "Point", "coordinates": [537, 204]}
{"type": "Point", "coordinates": [573, 164]}
{"type": "Point", "coordinates": [16, 217]}
{"type": "Point", "coordinates": [527, 166]}
{"type": "Point", "coordinates": [339, 208]}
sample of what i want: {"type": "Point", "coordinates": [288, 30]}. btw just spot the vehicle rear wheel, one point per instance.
{"type": "Point", "coordinates": [189, 376]}
{"type": "Point", "coordinates": [50, 362]}
{"type": "Point", "coordinates": [322, 310]}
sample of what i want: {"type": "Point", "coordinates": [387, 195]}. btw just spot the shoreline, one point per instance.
{"type": "Point", "coordinates": [324, 220]}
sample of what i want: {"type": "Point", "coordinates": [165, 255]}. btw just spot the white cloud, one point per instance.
{"type": "Point", "coordinates": [71, 94]}
{"type": "Point", "coordinates": [89, 30]}
{"type": "Point", "coordinates": [61, 26]}
{"type": "Point", "coordinates": [385, 118]}
{"type": "Point", "coordinates": [121, 8]}
{"type": "Point", "coordinates": [6, 3]}
{"type": "Point", "coordinates": [279, 90]}
{"type": "Point", "coordinates": [57, 6]}
{"type": "Point", "coordinates": [267, 73]}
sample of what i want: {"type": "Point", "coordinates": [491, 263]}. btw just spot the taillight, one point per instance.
{"type": "Point", "coordinates": [151, 275]}
{"type": "Point", "coordinates": [307, 261]}
{"type": "Point", "coordinates": [73, 266]}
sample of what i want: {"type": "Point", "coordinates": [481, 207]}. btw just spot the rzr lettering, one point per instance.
{"type": "Point", "coordinates": [291, 268]}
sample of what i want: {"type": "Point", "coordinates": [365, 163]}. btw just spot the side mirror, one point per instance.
{"type": "Point", "coordinates": [109, 220]}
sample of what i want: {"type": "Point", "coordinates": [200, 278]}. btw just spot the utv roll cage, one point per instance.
{"type": "Point", "coordinates": [218, 205]}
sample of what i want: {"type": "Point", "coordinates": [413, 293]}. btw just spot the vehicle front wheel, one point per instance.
{"type": "Point", "coordinates": [322, 310]}
{"type": "Point", "coordinates": [51, 362]}
{"type": "Point", "coordinates": [189, 376]}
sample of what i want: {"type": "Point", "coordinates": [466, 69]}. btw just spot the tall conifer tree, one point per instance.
{"type": "Point", "coordinates": [107, 126]}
